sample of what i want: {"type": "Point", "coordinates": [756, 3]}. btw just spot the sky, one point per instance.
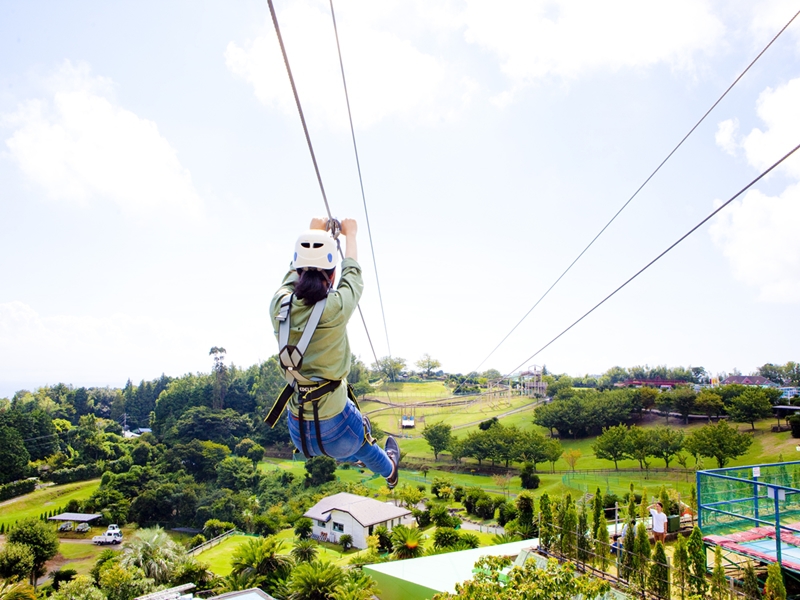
{"type": "Point", "coordinates": [154, 176]}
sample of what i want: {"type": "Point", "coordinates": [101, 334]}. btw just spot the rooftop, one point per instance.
{"type": "Point", "coordinates": [364, 510]}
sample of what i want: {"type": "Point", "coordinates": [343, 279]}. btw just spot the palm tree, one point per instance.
{"type": "Point", "coordinates": [261, 557]}
{"type": "Point", "coordinates": [305, 551]}
{"type": "Point", "coordinates": [407, 542]}
{"type": "Point", "coordinates": [357, 586]}
{"type": "Point", "coordinates": [16, 590]}
{"type": "Point", "coordinates": [154, 552]}
{"type": "Point", "coordinates": [315, 581]}
{"type": "Point", "coordinates": [236, 582]}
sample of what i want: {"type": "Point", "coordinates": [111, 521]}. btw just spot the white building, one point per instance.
{"type": "Point", "coordinates": [357, 516]}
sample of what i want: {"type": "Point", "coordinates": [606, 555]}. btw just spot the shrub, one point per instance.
{"type": "Point", "coordinates": [458, 493]}
{"type": "Point", "coordinates": [303, 528]}
{"type": "Point", "coordinates": [485, 508]}
{"type": "Point", "coordinates": [17, 488]}
{"type": "Point", "coordinates": [215, 527]}
{"type": "Point", "coordinates": [346, 541]}
{"type": "Point", "coordinates": [794, 423]}
{"type": "Point", "coordinates": [196, 541]}
{"type": "Point", "coordinates": [63, 576]}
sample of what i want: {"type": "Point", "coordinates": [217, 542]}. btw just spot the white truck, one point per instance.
{"type": "Point", "coordinates": [109, 537]}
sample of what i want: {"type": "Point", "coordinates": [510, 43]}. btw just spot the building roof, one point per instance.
{"type": "Point", "coordinates": [748, 380]}
{"type": "Point", "coordinates": [79, 517]}
{"type": "Point", "coordinates": [251, 594]}
{"type": "Point", "coordinates": [364, 510]}
{"type": "Point", "coordinates": [442, 572]}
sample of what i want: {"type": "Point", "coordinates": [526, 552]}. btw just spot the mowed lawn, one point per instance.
{"type": "Point", "coordinates": [45, 500]}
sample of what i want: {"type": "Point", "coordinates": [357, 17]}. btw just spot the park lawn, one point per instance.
{"type": "Point", "coordinates": [218, 558]}
{"type": "Point", "coordinates": [81, 557]}
{"type": "Point", "coordinates": [45, 500]}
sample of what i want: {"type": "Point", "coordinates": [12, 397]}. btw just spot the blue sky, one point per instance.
{"type": "Point", "coordinates": [155, 175]}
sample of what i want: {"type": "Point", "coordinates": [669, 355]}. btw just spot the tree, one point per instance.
{"type": "Point", "coordinates": [13, 455]}
{"type": "Point", "coordinates": [665, 443]}
{"type": "Point", "coordinates": [390, 367]}
{"type": "Point", "coordinates": [641, 556]}
{"type": "Point", "coordinates": [774, 589]}
{"type": "Point", "coordinates": [303, 528]}
{"type": "Point", "coordinates": [612, 444]}
{"type": "Point", "coordinates": [438, 436]}
{"type": "Point", "coordinates": [220, 376]}
{"type": "Point", "coordinates": [683, 399]}
{"type": "Point", "coordinates": [697, 562]}
{"type": "Point", "coordinates": [16, 590]}
{"type": "Point", "coordinates": [120, 583]}
{"type": "Point", "coordinates": [346, 541]}
{"type": "Point", "coordinates": [718, 581]}
{"type": "Point", "coordinates": [553, 450]}
{"type": "Point", "coordinates": [719, 441]}
{"type": "Point", "coordinates": [528, 477]}
{"type": "Point", "coordinates": [750, 586]}
{"type": "Point", "coordinates": [316, 580]}
{"type": "Point", "coordinates": [406, 542]}
{"type": "Point", "coordinates": [80, 588]}
{"type": "Point", "coordinates": [681, 566]}
{"type": "Point", "coordinates": [154, 552]}
{"type": "Point", "coordinates": [749, 407]}
{"type": "Point", "coordinates": [40, 538]}
{"type": "Point", "coordinates": [547, 532]}
{"type": "Point", "coordinates": [261, 558]}
{"type": "Point", "coordinates": [709, 403]}
{"type": "Point", "coordinates": [319, 470]}
{"type": "Point", "coordinates": [602, 548]}
{"type": "Point", "coordinates": [640, 446]}
{"type": "Point", "coordinates": [556, 582]}
{"type": "Point", "coordinates": [16, 561]}
{"type": "Point", "coordinates": [658, 580]}
{"type": "Point", "coordinates": [305, 550]}
{"type": "Point", "coordinates": [572, 457]}
{"type": "Point", "coordinates": [428, 364]}
{"type": "Point", "coordinates": [598, 514]}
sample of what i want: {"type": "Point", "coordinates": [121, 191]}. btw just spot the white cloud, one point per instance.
{"type": "Point", "coordinates": [386, 75]}
{"type": "Point", "coordinates": [726, 136]}
{"type": "Point", "coordinates": [541, 38]}
{"type": "Point", "coordinates": [51, 348]}
{"type": "Point", "coordinates": [758, 235]}
{"type": "Point", "coordinates": [81, 147]}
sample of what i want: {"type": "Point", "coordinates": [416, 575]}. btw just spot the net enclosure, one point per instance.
{"type": "Point", "coordinates": [753, 511]}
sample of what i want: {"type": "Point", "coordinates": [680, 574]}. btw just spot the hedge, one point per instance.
{"type": "Point", "coordinates": [17, 488]}
{"type": "Point", "coordinates": [81, 473]}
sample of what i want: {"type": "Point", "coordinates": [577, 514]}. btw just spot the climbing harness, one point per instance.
{"type": "Point", "coordinates": [307, 390]}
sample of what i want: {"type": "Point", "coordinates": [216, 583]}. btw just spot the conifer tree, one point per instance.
{"type": "Point", "coordinates": [583, 536]}
{"type": "Point", "coordinates": [628, 547]}
{"type": "Point", "coordinates": [643, 506]}
{"type": "Point", "coordinates": [774, 588]}
{"type": "Point", "coordinates": [664, 499]}
{"type": "Point", "coordinates": [750, 585]}
{"type": "Point", "coordinates": [547, 533]}
{"type": "Point", "coordinates": [697, 562]}
{"type": "Point", "coordinates": [602, 548]}
{"type": "Point", "coordinates": [658, 580]}
{"type": "Point", "coordinates": [641, 555]}
{"type": "Point", "coordinates": [718, 581]}
{"type": "Point", "coordinates": [598, 515]}
{"type": "Point", "coordinates": [568, 521]}
{"type": "Point", "coordinates": [680, 566]}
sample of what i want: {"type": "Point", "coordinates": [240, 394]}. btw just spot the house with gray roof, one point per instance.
{"type": "Point", "coordinates": [357, 516]}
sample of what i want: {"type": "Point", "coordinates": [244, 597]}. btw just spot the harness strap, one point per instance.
{"type": "Point", "coordinates": [291, 357]}
{"type": "Point", "coordinates": [305, 393]}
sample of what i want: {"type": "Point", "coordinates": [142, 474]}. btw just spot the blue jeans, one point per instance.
{"type": "Point", "coordinates": [343, 439]}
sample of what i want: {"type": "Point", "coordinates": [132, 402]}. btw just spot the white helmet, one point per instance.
{"type": "Point", "coordinates": [315, 249]}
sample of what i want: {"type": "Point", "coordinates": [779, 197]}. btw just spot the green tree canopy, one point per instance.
{"type": "Point", "coordinates": [13, 455]}
{"type": "Point", "coordinates": [438, 436]}
{"type": "Point", "coordinates": [40, 538]}
{"type": "Point", "coordinates": [719, 441]}
{"type": "Point", "coordinates": [750, 406]}
{"type": "Point", "coordinates": [612, 444]}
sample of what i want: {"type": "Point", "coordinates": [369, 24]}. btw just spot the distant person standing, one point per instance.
{"type": "Point", "coordinates": [659, 522]}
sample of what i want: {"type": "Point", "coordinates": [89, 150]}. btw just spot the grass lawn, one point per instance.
{"type": "Point", "coordinates": [45, 500]}
{"type": "Point", "coordinates": [218, 558]}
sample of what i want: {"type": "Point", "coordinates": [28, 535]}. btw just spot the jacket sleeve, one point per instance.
{"type": "Point", "coordinates": [344, 300]}
{"type": "Point", "coordinates": [287, 287]}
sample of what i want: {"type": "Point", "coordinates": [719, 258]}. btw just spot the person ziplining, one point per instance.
{"type": "Point", "coordinates": [310, 321]}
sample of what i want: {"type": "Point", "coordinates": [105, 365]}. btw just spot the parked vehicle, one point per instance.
{"type": "Point", "coordinates": [82, 528]}
{"type": "Point", "coordinates": [107, 538]}
{"type": "Point", "coordinates": [66, 526]}
{"type": "Point", "coordinates": [113, 529]}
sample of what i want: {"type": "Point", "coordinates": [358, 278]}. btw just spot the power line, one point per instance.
{"type": "Point", "coordinates": [652, 262]}
{"type": "Point", "coordinates": [360, 179]}
{"type": "Point", "coordinates": [311, 147]}
{"type": "Point", "coordinates": [639, 189]}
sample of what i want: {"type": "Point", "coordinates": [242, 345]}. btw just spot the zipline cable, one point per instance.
{"type": "Point", "coordinates": [360, 179]}
{"type": "Point", "coordinates": [639, 189]}
{"type": "Point", "coordinates": [311, 148]}
{"type": "Point", "coordinates": [652, 262]}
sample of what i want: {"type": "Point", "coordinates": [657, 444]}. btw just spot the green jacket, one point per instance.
{"type": "Point", "coordinates": [328, 353]}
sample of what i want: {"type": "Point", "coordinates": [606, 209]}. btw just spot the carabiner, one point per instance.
{"type": "Point", "coordinates": [334, 226]}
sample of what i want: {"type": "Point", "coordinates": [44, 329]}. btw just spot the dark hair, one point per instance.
{"type": "Point", "coordinates": [313, 285]}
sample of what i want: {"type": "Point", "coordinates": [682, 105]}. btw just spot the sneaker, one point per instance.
{"type": "Point", "coordinates": [393, 452]}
